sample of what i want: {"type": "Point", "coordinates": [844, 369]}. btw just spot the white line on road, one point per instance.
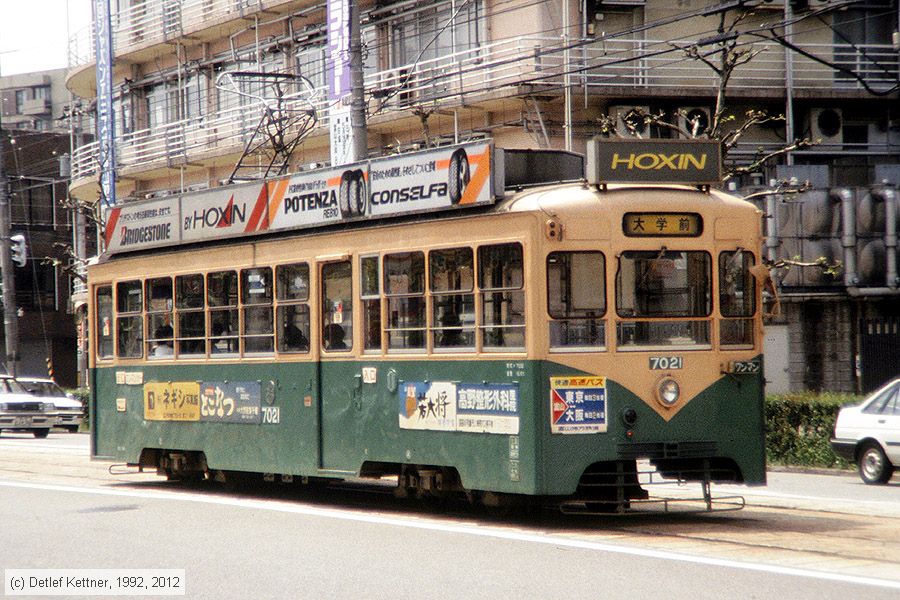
{"type": "Point", "coordinates": [481, 531]}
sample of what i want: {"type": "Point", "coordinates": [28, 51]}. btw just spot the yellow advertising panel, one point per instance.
{"type": "Point", "coordinates": [172, 401]}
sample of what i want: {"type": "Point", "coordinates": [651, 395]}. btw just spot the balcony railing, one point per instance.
{"type": "Point", "coordinates": [157, 21]}
{"type": "Point", "coordinates": [511, 67]}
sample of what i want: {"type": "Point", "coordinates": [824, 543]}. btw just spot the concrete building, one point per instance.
{"type": "Point", "coordinates": [531, 74]}
{"type": "Point", "coordinates": [36, 149]}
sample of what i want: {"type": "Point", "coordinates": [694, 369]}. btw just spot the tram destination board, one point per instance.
{"type": "Point", "coordinates": [692, 162]}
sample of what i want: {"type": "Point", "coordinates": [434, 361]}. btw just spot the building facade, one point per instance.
{"type": "Point", "coordinates": [528, 74]}
{"type": "Point", "coordinates": [36, 146]}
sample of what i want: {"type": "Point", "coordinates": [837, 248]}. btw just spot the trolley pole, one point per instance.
{"type": "Point", "coordinates": [10, 315]}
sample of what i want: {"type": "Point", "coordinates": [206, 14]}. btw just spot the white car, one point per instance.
{"type": "Point", "coordinates": [869, 434]}
{"type": "Point", "coordinates": [70, 412]}
{"type": "Point", "coordinates": [20, 411]}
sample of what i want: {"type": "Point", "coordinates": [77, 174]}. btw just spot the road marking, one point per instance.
{"type": "Point", "coordinates": [481, 531]}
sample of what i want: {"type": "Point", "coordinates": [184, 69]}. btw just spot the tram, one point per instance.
{"type": "Point", "coordinates": [445, 317]}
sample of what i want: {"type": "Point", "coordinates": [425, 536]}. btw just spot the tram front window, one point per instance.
{"type": "Point", "coordinates": [663, 298]}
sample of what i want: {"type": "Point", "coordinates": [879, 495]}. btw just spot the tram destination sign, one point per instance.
{"type": "Point", "coordinates": [453, 177]}
{"type": "Point", "coordinates": [693, 162]}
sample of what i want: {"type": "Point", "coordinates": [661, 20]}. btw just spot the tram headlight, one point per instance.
{"type": "Point", "coordinates": [668, 392]}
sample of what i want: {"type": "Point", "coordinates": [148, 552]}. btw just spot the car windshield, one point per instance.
{"type": "Point", "coordinates": [44, 389]}
{"type": "Point", "coordinates": [11, 386]}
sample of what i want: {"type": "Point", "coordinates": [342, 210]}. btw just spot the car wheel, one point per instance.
{"type": "Point", "coordinates": [874, 466]}
{"type": "Point", "coordinates": [41, 433]}
{"type": "Point", "coordinates": [459, 175]}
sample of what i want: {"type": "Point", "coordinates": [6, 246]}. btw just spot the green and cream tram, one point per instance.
{"type": "Point", "coordinates": [541, 343]}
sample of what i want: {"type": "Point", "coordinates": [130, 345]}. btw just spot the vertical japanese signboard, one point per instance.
{"type": "Point", "coordinates": [105, 118]}
{"type": "Point", "coordinates": [338, 16]}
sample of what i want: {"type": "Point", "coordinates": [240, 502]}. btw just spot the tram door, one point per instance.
{"type": "Point", "coordinates": [339, 389]}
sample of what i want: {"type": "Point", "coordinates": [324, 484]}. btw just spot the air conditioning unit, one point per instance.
{"type": "Point", "coordinates": [827, 125]}
{"type": "Point", "coordinates": [631, 114]}
{"type": "Point", "coordinates": [688, 115]}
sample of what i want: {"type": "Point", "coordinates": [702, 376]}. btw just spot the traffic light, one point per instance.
{"type": "Point", "coordinates": [17, 250]}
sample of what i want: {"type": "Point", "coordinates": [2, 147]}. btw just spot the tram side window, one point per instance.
{"type": "Point", "coordinates": [256, 308]}
{"type": "Point", "coordinates": [337, 306]}
{"type": "Point", "coordinates": [501, 277]}
{"type": "Point", "coordinates": [452, 281]}
{"type": "Point", "coordinates": [370, 292]}
{"type": "Point", "coordinates": [404, 289]}
{"type": "Point", "coordinates": [655, 287]}
{"type": "Point", "coordinates": [129, 321]}
{"type": "Point", "coordinates": [292, 292]}
{"type": "Point", "coordinates": [737, 298]}
{"type": "Point", "coordinates": [221, 297]}
{"type": "Point", "coordinates": [104, 320]}
{"type": "Point", "coordinates": [160, 334]}
{"type": "Point", "coordinates": [190, 319]}
{"type": "Point", "coordinates": [576, 299]}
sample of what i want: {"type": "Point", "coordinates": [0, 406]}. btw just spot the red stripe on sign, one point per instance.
{"type": "Point", "coordinates": [558, 406]}
{"type": "Point", "coordinates": [259, 210]}
{"type": "Point", "coordinates": [111, 225]}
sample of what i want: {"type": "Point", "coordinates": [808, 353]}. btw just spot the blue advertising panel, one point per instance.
{"type": "Point", "coordinates": [103, 46]}
{"type": "Point", "coordinates": [578, 405]}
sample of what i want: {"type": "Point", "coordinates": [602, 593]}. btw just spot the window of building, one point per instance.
{"type": "Point", "coordinates": [21, 99]}
{"type": "Point", "coordinates": [337, 306]}
{"type": "Point", "coordinates": [129, 320]}
{"type": "Point", "coordinates": [501, 277]}
{"type": "Point", "coordinates": [452, 278]}
{"type": "Point", "coordinates": [222, 300]}
{"type": "Point", "coordinates": [576, 299]}
{"type": "Point", "coordinates": [404, 290]}
{"type": "Point", "coordinates": [104, 318]}
{"type": "Point", "coordinates": [190, 318]}
{"type": "Point", "coordinates": [310, 62]}
{"type": "Point", "coordinates": [256, 310]}
{"type": "Point", "coordinates": [42, 92]}
{"type": "Point", "coordinates": [292, 289]}
{"type": "Point", "coordinates": [737, 298]}
{"type": "Point", "coordinates": [370, 292]}
{"type": "Point", "coordinates": [655, 287]}
{"type": "Point", "coordinates": [160, 333]}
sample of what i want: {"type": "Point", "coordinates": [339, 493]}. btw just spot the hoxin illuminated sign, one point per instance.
{"type": "Point", "coordinates": [693, 162]}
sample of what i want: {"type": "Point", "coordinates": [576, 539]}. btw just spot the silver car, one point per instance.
{"type": "Point", "coordinates": [70, 412]}
{"type": "Point", "coordinates": [869, 434]}
{"type": "Point", "coordinates": [20, 411]}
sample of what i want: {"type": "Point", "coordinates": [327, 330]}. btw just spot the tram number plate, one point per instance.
{"type": "Point", "coordinates": [271, 414]}
{"type": "Point", "coordinates": [745, 366]}
{"type": "Point", "coordinates": [666, 363]}
{"type": "Point", "coordinates": [21, 421]}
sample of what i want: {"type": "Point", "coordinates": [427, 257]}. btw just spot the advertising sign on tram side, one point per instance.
{"type": "Point", "coordinates": [444, 178]}
{"type": "Point", "coordinates": [223, 212]}
{"type": "Point", "coordinates": [306, 199]}
{"type": "Point", "coordinates": [578, 405]}
{"type": "Point", "coordinates": [434, 179]}
{"type": "Point", "coordinates": [142, 225]}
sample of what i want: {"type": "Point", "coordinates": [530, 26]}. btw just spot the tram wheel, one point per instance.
{"type": "Point", "coordinates": [459, 175]}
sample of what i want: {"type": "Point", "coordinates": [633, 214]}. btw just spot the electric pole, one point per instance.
{"type": "Point", "coordinates": [357, 87]}
{"type": "Point", "coordinates": [10, 314]}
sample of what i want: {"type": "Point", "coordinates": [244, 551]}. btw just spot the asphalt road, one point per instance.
{"type": "Point", "coordinates": [804, 536]}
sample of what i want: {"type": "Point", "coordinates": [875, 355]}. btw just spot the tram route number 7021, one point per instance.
{"type": "Point", "coordinates": [666, 363]}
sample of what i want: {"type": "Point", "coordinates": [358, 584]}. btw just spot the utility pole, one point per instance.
{"type": "Point", "coordinates": [357, 87]}
{"type": "Point", "coordinates": [10, 314]}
